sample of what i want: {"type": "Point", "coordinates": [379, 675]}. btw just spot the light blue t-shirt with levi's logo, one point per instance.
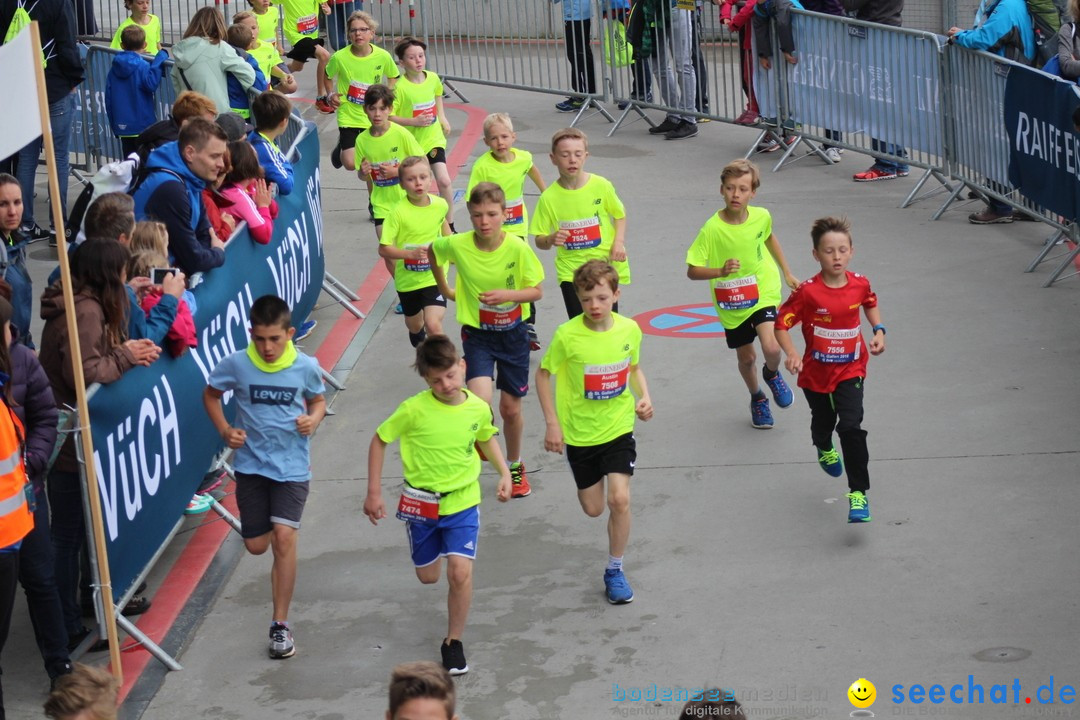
{"type": "Point", "coordinates": [267, 405]}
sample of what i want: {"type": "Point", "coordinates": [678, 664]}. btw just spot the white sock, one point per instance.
{"type": "Point", "coordinates": [614, 563]}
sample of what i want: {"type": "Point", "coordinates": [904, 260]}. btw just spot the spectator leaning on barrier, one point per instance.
{"type": "Point", "coordinates": [130, 88]}
{"type": "Point", "coordinates": [1004, 28]}
{"type": "Point", "coordinates": [243, 39]}
{"type": "Point", "coordinates": [1068, 49]}
{"type": "Point", "coordinates": [577, 25]}
{"type": "Point", "coordinates": [176, 174]}
{"type": "Point", "coordinates": [203, 59]}
{"type": "Point", "coordinates": [735, 14]}
{"type": "Point", "coordinates": [63, 72]}
{"type": "Point", "coordinates": [188, 104]}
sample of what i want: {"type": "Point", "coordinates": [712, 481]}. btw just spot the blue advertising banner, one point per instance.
{"type": "Point", "coordinates": [1044, 148]}
{"type": "Point", "coordinates": [152, 439]}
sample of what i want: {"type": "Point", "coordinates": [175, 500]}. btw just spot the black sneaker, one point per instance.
{"type": "Point", "coordinates": [335, 158]}
{"type": "Point", "coordinates": [665, 127]}
{"type": "Point", "coordinates": [453, 657]}
{"type": "Point", "coordinates": [685, 130]}
{"type": "Point", "coordinates": [34, 232]}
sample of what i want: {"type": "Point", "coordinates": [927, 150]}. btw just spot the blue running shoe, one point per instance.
{"type": "Point", "coordinates": [860, 508]}
{"type": "Point", "coordinates": [829, 460]}
{"type": "Point", "coordinates": [760, 414]}
{"type": "Point", "coordinates": [398, 310]}
{"type": "Point", "coordinates": [305, 329]}
{"type": "Point", "coordinates": [618, 589]}
{"type": "Point", "coordinates": [780, 391]}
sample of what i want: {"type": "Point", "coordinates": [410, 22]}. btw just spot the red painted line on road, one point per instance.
{"type": "Point", "coordinates": [189, 568]}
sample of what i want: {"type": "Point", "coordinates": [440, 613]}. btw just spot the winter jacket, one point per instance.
{"type": "Point", "coordinates": [153, 137]}
{"type": "Point", "coordinates": [278, 170]}
{"type": "Point", "coordinates": [129, 92]}
{"type": "Point", "coordinates": [202, 66]}
{"type": "Point", "coordinates": [1069, 52]}
{"type": "Point", "coordinates": [32, 401]}
{"type": "Point", "coordinates": [212, 207]}
{"type": "Point", "coordinates": [101, 363]}
{"type": "Point", "coordinates": [56, 23]}
{"type": "Point", "coordinates": [260, 220]}
{"type": "Point", "coordinates": [238, 94]}
{"type": "Point", "coordinates": [182, 334]}
{"type": "Point", "coordinates": [151, 325]}
{"type": "Point", "coordinates": [883, 12]}
{"type": "Point", "coordinates": [1005, 29]}
{"type": "Point", "coordinates": [172, 195]}
{"type": "Point", "coordinates": [780, 12]}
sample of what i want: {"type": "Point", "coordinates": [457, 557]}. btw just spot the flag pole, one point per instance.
{"type": "Point", "coordinates": [76, 362]}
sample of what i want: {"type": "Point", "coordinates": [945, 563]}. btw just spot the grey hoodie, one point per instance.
{"type": "Point", "coordinates": [204, 66]}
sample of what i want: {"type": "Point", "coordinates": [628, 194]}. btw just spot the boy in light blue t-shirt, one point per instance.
{"type": "Point", "coordinates": [279, 404]}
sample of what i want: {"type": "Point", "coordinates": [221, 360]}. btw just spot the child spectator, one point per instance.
{"type": "Point", "coordinates": [88, 693]}
{"type": "Point", "coordinates": [832, 369]}
{"type": "Point", "coordinates": [735, 14]}
{"type": "Point", "coordinates": [577, 25]}
{"type": "Point", "coordinates": [301, 28]}
{"type": "Point", "coordinates": [507, 167]}
{"type": "Point", "coordinates": [241, 38]}
{"type": "Point", "coordinates": [278, 393]}
{"type": "Point", "coordinates": [408, 232]}
{"type": "Point", "coordinates": [130, 87]}
{"type": "Point", "coordinates": [189, 104]}
{"type": "Point", "coordinates": [141, 17]}
{"type": "Point", "coordinates": [181, 334]}
{"type": "Point", "coordinates": [421, 689]}
{"type": "Point", "coordinates": [441, 497]}
{"type": "Point", "coordinates": [266, 54]}
{"type": "Point", "coordinates": [765, 13]}
{"type": "Point", "coordinates": [418, 105]}
{"type": "Point", "coordinates": [745, 283]}
{"type": "Point", "coordinates": [271, 112]}
{"type": "Point", "coordinates": [496, 274]}
{"type": "Point", "coordinates": [247, 193]}
{"type": "Point", "coordinates": [355, 69]}
{"type": "Point", "coordinates": [595, 357]}
{"type": "Point", "coordinates": [380, 151]}
{"type": "Point", "coordinates": [581, 216]}
{"type": "Point", "coordinates": [221, 225]}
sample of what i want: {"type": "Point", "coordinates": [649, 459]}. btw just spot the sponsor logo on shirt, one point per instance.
{"type": "Point", "coordinates": [272, 395]}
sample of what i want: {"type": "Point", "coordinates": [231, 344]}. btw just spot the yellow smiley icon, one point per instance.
{"type": "Point", "coordinates": [862, 693]}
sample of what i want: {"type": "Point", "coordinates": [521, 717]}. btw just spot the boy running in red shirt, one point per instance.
{"type": "Point", "coordinates": [834, 365]}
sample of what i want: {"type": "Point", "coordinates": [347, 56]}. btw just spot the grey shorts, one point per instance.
{"type": "Point", "coordinates": [264, 503]}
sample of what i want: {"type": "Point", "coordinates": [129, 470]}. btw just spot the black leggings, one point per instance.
{"type": "Point", "coordinates": [579, 53]}
{"type": "Point", "coordinates": [842, 410]}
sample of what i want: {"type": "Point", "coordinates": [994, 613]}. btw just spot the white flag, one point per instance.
{"type": "Point", "coordinates": [17, 129]}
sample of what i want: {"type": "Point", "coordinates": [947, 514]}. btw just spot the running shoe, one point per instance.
{"type": "Point", "coordinates": [876, 173]}
{"type": "Point", "coordinates": [570, 105]}
{"type": "Point", "coordinates": [760, 414]}
{"type": "Point", "coordinates": [748, 117]}
{"type": "Point", "coordinates": [323, 105]}
{"type": "Point", "coordinates": [534, 339]}
{"type": "Point", "coordinates": [305, 329]}
{"type": "Point", "coordinates": [833, 155]}
{"type": "Point", "coordinates": [780, 391]}
{"type": "Point", "coordinates": [519, 480]}
{"type": "Point", "coordinates": [199, 504]}
{"type": "Point", "coordinates": [860, 508]}
{"type": "Point", "coordinates": [281, 642]}
{"type": "Point", "coordinates": [618, 589]}
{"type": "Point", "coordinates": [453, 657]}
{"type": "Point", "coordinates": [830, 462]}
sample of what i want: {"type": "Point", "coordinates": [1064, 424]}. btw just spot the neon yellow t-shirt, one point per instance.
{"type": "Point", "coordinates": [756, 284]}
{"type": "Point", "coordinates": [408, 226]}
{"type": "Point", "coordinates": [267, 56]}
{"type": "Point", "coordinates": [388, 149]}
{"type": "Point", "coordinates": [301, 20]}
{"type": "Point", "coordinates": [586, 213]}
{"type": "Point", "coordinates": [511, 178]}
{"type": "Point", "coordinates": [437, 446]}
{"type": "Point", "coordinates": [416, 99]}
{"type": "Point", "coordinates": [511, 266]}
{"type": "Point", "coordinates": [592, 391]}
{"type": "Point", "coordinates": [268, 24]}
{"type": "Point", "coordinates": [354, 75]}
{"type": "Point", "coordinates": [152, 30]}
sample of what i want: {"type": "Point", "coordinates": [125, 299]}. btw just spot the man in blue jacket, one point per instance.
{"type": "Point", "coordinates": [130, 88]}
{"type": "Point", "coordinates": [171, 192]}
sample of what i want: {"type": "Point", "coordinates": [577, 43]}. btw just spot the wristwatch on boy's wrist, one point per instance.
{"type": "Point", "coordinates": [880, 327]}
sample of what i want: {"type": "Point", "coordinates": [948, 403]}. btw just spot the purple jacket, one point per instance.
{"type": "Point", "coordinates": [32, 400]}
{"type": "Point", "coordinates": [829, 7]}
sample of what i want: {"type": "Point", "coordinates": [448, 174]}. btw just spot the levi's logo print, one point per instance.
{"type": "Point", "coordinates": [272, 395]}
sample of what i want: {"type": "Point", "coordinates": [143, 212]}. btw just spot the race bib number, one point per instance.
{"type": "Point", "coordinates": [835, 346]}
{"type": "Point", "coordinates": [424, 110]}
{"type": "Point", "coordinates": [416, 265]}
{"type": "Point", "coordinates": [515, 212]}
{"type": "Point", "coordinates": [419, 506]}
{"type": "Point", "coordinates": [603, 382]}
{"type": "Point", "coordinates": [500, 317]}
{"type": "Point", "coordinates": [379, 175]}
{"type": "Point", "coordinates": [584, 234]}
{"type": "Point", "coordinates": [356, 92]}
{"type": "Point", "coordinates": [307, 24]}
{"type": "Point", "coordinates": [737, 294]}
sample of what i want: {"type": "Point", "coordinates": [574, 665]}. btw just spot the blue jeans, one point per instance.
{"type": "Point", "coordinates": [37, 574]}
{"type": "Point", "coordinates": [22, 295]}
{"type": "Point", "coordinates": [882, 146]}
{"type": "Point", "coordinates": [337, 30]}
{"type": "Point", "coordinates": [68, 534]}
{"type": "Point", "coordinates": [62, 120]}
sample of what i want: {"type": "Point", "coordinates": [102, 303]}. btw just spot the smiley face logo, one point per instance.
{"type": "Point", "coordinates": [862, 693]}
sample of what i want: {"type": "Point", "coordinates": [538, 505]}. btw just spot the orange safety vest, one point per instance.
{"type": "Point", "coordinates": [16, 520]}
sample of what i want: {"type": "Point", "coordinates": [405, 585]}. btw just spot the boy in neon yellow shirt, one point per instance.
{"type": "Point", "coordinates": [267, 18]}
{"type": "Point", "coordinates": [141, 16]}
{"type": "Point", "coordinates": [498, 275]}
{"type": "Point", "coordinates": [744, 283]}
{"type": "Point", "coordinates": [507, 167]}
{"type": "Point", "coordinates": [441, 496]}
{"type": "Point", "coordinates": [354, 69]}
{"type": "Point", "coordinates": [301, 29]}
{"type": "Point", "coordinates": [595, 357]}
{"type": "Point", "coordinates": [580, 216]}
{"type": "Point", "coordinates": [407, 233]}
